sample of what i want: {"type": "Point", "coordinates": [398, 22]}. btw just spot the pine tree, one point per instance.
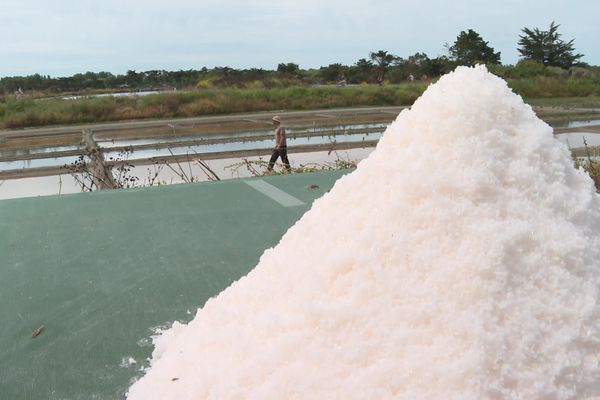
{"type": "Point", "coordinates": [469, 49]}
{"type": "Point", "coordinates": [547, 48]}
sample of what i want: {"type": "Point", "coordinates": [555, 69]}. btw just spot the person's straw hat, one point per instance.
{"type": "Point", "coordinates": [276, 118]}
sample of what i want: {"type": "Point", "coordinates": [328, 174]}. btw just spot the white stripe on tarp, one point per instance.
{"type": "Point", "coordinates": [274, 193]}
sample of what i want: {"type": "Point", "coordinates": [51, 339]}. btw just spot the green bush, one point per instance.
{"type": "Point", "coordinates": [552, 86]}
{"type": "Point", "coordinates": [592, 167]}
{"type": "Point", "coordinates": [527, 69]}
{"type": "Point", "coordinates": [580, 72]}
{"type": "Point", "coordinates": [557, 72]}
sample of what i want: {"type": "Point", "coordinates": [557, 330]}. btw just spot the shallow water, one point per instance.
{"type": "Point", "coordinates": [66, 184]}
{"type": "Point", "coordinates": [117, 94]}
{"type": "Point", "coordinates": [575, 140]}
{"type": "Point", "coordinates": [245, 143]}
{"type": "Point", "coordinates": [36, 163]}
{"type": "Point", "coordinates": [248, 145]}
{"type": "Point", "coordinates": [224, 168]}
{"type": "Point", "coordinates": [35, 151]}
{"type": "Point", "coordinates": [576, 123]}
{"type": "Point", "coordinates": [242, 135]}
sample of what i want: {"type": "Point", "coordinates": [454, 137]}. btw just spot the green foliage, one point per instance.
{"type": "Point", "coordinates": [333, 72]}
{"type": "Point", "coordinates": [205, 84]}
{"type": "Point", "coordinates": [438, 66]}
{"type": "Point", "coordinates": [529, 69]}
{"type": "Point", "coordinates": [27, 113]}
{"type": "Point", "coordinates": [382, 60]}
{"type": "Point", "coordinates": [580, 72]}
{"type": "Point", "coordinates": [549, 86]}
{"type": "Point", "coordinates": [259, 167]}
{"type": "Point", "coordinates": [470, 49]}
{"type": "Point", "coordinates": [557, 72]}
{"type": "Point", "coordinates": [589, 165]}
{"type": "Point", "coordinates": [289, 68]}
{"type": "Point", "coordinates": [362, 71]}
{"type": "Point", "coordinates": [547, 48]}
{"type": "Point", "coordinates": [592, 167]}
{"type": "Point", "coordinates": [102, 81]}
{"type": "Point", "coordinates": [420, 67]}
{"type": "Point", "coordinates": [523, 79]}
{"type": "Point", "coordinates": [526, 69]}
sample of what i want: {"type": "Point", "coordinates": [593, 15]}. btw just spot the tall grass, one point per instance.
{"type": "Point", "coordinates": [589, 165]}
{"type": "Point", "coordinates": [211, 101]}
{"type": "Point", "coordinates": [592, 167]}
{"type": "Point", "coordinates": [550, 87]}
{"type": "Point", "coordinates": [25, 113]}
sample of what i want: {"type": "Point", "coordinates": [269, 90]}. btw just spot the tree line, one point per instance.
{"type": "Point", "coordinates": [538, 49]}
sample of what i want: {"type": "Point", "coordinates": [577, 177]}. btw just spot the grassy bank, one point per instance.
{"type": "Point", "coordinates": [544, 87]}
{"type": "Point", "coordinates": [541, 90]}
{"type": "Point", "coordinates": [28, 112]}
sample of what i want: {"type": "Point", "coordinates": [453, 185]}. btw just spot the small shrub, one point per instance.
{"type": "Point", "coordinates": [205, 84]}
{"type": "Point", "coordinates": [592, 167]}
{"type": "Point", "coordinates": [579, 72]}
{"type": "Point", "coordinates": [123, 113]}
{"type": "Point", "coordinates": [557, 72]}
{"type": "Point", "coordinates": [527, 69]}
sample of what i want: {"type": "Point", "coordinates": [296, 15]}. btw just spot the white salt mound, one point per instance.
{"type": "Point", "coordinates": [461, 260]}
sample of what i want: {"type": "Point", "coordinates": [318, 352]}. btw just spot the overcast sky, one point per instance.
{"type": "Point", "coordinates": [60, 37]}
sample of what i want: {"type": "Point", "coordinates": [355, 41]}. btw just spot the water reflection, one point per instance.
{"type": "Point", "coordinates": [336, 131]}
{"type": "Point", "coordinates": [576, 123]}
{"type": "Point", "coordinates": [575, 140]}
{"type": "Point", "coordinates": [224, 168]}
{"type": "Point", "coordinates": [36, 163]}
{"type": "Point", "coordinates": [243, 140]}
{"type": "Point", "coordinates": [249, 145]}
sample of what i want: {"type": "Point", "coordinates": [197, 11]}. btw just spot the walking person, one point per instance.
{"type": "Point", "coordinates": [280, 149]}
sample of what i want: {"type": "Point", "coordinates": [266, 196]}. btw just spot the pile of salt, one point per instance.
{"type": "Point", "coordinates": [461, 260]}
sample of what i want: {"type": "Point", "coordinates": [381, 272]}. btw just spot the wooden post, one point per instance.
{"type": "Point", "coordinates": [101, 173]}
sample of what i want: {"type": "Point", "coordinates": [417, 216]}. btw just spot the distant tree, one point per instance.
{"type": "Point", "coordinates": [469, 48]}
{"type": "Point", "coordinates": [362, 71]}
{"type": "Point", "coordinates": [382, 60]}
{"type": "Point", "coordinates": [364, 65]}
{"type": "Point", "coordinates": [289, 68]}
{"type": "Point", "coordinates": [547, 48]}
{"type": "Point", "coordinates": [333, 72]}
{"type": "Point", "coordinates": [437, 66]}
{"type": "Point", "coordinates": [416, 64]}
{"type": "Point", "coordinates": [224, 71]}
{"type": "Point", "coordinates": [403, 68]}
{"type": "Point", "coordinates": [107, 79]}
{"type": "Point", "coordinates": [133, 78]}
{"type": "Point", "coordinates": [419, 66]}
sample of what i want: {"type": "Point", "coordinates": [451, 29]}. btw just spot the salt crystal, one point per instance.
{"type": "Point", "coordinates": [461, 260]}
